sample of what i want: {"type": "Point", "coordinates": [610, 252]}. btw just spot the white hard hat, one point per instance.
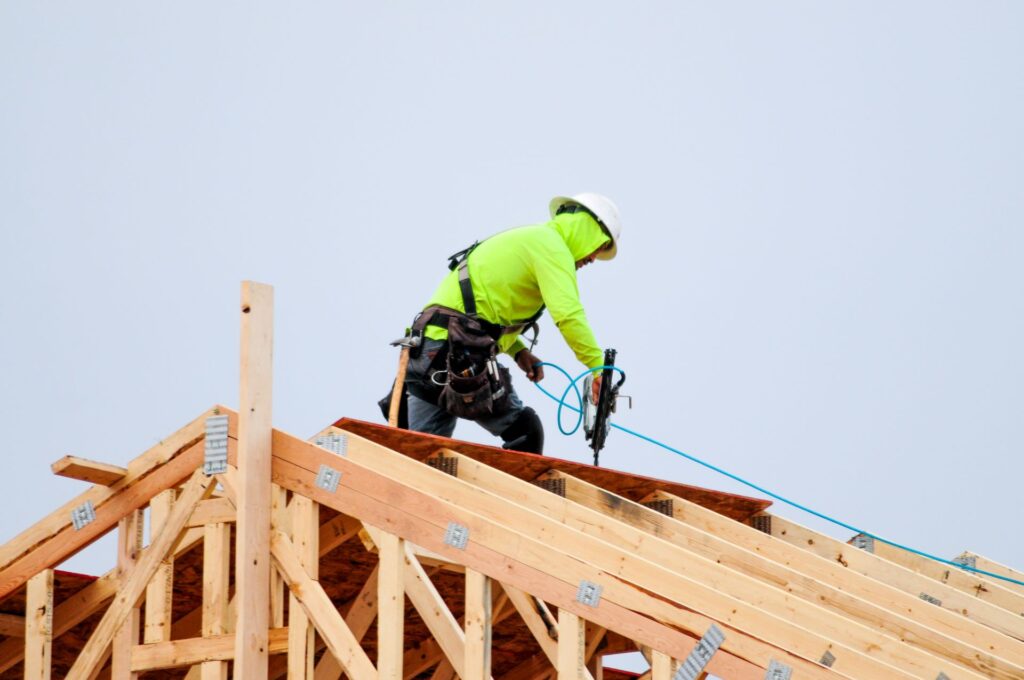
{"type": "Point", "coordinates": [600, 207]}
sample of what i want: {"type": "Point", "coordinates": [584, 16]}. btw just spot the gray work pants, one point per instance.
{"type": "Point", "coordinates": [425, 416]}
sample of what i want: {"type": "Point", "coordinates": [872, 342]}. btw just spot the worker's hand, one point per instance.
{"type": "Point", "coordinates": [595, 388]}
{"type": "Point", "coordinates": [528, 361]}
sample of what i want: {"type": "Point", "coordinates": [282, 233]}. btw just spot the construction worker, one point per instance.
{"type": "Point", "coordinates": [496, 290]}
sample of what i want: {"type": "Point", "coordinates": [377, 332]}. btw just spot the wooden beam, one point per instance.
{"type": "Point", "coordinates": [981, 562]}
{"type": "Point", "coordinates": [310, 594]}
{"type": "Point", "coordinates": [572, 646]}
{"type": "Point", "coordinates": [538, 565]}
{"type": "Point", "coordinates": [428, 653]}
{"type": "Point", "coordinates": [216, 584]}
{"type": "Point", "coordinates": [252, 562]}
{"type": "Point", "coordinates": [213, 511]}
{"type": "Point", "coordinates": [53, 539]}
{"type": "Point", "coordinates": [336, 531]}
{"type": "Point", "coordinates": [39, 626]}
{"type": "Point", "coordinates": [526, 605]}
{"type": "Point", "coordinates": [702, 583]}
{"type": "Point", "coordinates": [279, 521]}
{"type": "Point", "coordinates": [160, 591]}
{"type": "Point", "coordinates": [390, 605]}
{"type": "Point", "coordinates": [89, 470]}
{"type": "Point", "coordinates": [698, 555]}
{"type": "Point", "coordinates": [78, 608]}
{"type": "Point", "coordinates": [129, 547]}
{"type": "Point", "coordinates": [663, 666]}
{"type": "Point", "coordinates": [360, 615]}
{"type": "Point", "coordinates": [478, 626]}
{"type": "Point", "coordinates": [970, 638]}
{"type": "Point", "coordinates": [216, 649]}
{"type": "Point", "coordinates": [128, 595]}
{"type": "Point", "coordinates": [305, 522]}
{"type": "Point", "coordinates": [971, 605]}
{"type": "Point", "coordinates": [972, 584]}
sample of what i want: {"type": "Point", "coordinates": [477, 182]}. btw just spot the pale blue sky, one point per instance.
{"type": "Point", "coordinates": [819, 284]}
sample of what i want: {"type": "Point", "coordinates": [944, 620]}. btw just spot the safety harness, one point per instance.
{"type": "Point", "coordinates": [440, 316]}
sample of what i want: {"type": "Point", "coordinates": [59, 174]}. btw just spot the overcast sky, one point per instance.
{"type": "Point", "coordinates": [819, 285]}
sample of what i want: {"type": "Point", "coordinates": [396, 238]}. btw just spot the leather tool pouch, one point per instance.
{"type": "Point", "coordinates": [477, 385]}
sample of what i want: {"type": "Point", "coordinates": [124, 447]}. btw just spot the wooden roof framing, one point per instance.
{"type": "Point", "coordinates": [368, 552]}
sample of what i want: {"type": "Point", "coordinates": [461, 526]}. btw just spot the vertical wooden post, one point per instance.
{"type": "Point", "coordinates": [662, 666]}
{"type": "Point", "coordinates": [305, 520]}
{"type": "Point", "coordinates": [252, 550]}
{"type": "Point", "coordinates": [160, 589]}
{"type": "Point", "coordinates": [216, 575]}
{"type": "Point", "coordinates": [572, 646]}
{"type": "Point", "coordinates": [39, 626]}
{"type": "Point", "coordinates": [390, 607]}
{"type": "Point", "coordinates": [278, 521]}
{"type": "Point", "coordinates": [478, 626]}
{"type": "Point", "coordinates": [129, 544]}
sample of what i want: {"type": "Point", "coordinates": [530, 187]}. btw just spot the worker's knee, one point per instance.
{"type": "Point", "coordinates": [526, 433]}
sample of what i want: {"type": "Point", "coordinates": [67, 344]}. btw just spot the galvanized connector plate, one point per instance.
{"type": "Point", "coordinates": [967, 561]}
{"type": "Point", "coordinates": [827, 659]}
{"type": "Point", "coordinates": [941, 676]}
{"type": "Point", "coordinates": [82, 515]}
{"type": "Point", "coordinates": [215, 452]}
{"type": "Point", "coordinates": [701, 654]}
{"type": "Point", "coordinates": [335, 443]}
{"type": "Point", "coordinates": [589, 593]}
{"type": "Point", "coordinates": [328, 478]}
{"type": "Point", "coordinates": [778, 671]}
{"type": "Point", "coordinates": [928, 598]}
{"type": "Point", "coordinates": [864, 542]}
{"type": "Point", "coordinates": [456, 535]}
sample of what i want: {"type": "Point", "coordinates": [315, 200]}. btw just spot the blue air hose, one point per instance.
{"type": "Point", "coordinates": [579, 411]}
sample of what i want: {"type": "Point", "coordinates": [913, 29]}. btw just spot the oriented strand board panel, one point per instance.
{"type": "Point", "coordinates": [529, 466]}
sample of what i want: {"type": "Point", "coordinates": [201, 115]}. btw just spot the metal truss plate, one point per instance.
{"type": "Point", "coordinates": [446, 464]}
{"type": "Point", "coordinates": [967, 561]}
{"type": "Point", "coordinates": [82, 515]}
{"type": "Point", "coordinates": [663, 505]}
{"type": "Point", "coordinates": [215, 452]}
{"type": "Point", "coordinates": [941, 676]}
{"type": "Point", "coordinates": [328, 478]}
{"type": "Point", "coordinates": [827, 659]}
{"type": "Point", "coordinates": [589, 593]}
{"type": "Point", "coordinates": [457, 535]}
{"type": "Point", "coordinates": [762, 523]}
{"type": "Point", "coordinates": [701, 654]}
{"type": "Point", "coordinates": [928, 598]}
{"type": "Point", "coordinates": [778, 671]}
{"type": "Point", "coordinates": [555, 486]}
{"type": "Point", "coordinates": [335, 443]}
{"type": "Point", "coordinates": [864, 542]}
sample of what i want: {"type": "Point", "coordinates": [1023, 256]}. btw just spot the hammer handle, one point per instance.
{"type": "Point", "coordinates": [396, 391]}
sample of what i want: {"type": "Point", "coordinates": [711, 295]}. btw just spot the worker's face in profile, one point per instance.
{"type": "Point", "coordinates": [593, 256]}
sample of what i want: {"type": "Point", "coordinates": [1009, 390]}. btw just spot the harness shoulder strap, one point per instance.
{"type": "Point", "coordinates": [466, 286]}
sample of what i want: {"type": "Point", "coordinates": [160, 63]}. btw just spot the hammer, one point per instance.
{"type": "Point", "coordinates": [406, 343]}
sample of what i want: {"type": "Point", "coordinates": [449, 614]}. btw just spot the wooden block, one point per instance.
{"type": "Point", "coordinates": [90, 471]}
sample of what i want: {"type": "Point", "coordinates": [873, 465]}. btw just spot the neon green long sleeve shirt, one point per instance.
{"type": "Point", "coordinates": [515, 272]}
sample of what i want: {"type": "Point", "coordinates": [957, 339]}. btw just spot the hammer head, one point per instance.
{"type": "Point", "coordinates": [409, 341]}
